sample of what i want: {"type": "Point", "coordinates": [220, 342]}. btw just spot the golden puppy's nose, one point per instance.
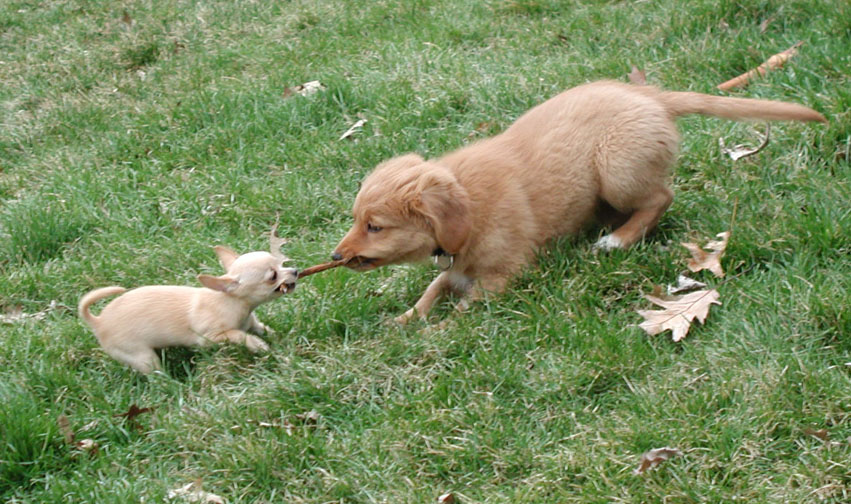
{"type": "Point", "coordinates": [336, 256]}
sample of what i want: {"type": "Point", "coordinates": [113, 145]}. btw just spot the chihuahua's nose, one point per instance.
{"type": "Point", "coordinates": [296, 272]}
{"type": "Point", "coordinates": [336, 256]}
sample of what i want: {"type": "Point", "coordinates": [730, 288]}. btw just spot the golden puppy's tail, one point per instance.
{"type": "Point", "coordinates": [681, 103]}
{"type": "Point", "coordinates": [93, 297]}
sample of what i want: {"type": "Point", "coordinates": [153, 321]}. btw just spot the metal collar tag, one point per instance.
{"type": "Point", "coordinates": [443, 260]}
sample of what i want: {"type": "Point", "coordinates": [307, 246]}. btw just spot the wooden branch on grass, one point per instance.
{"type": "Point", "coordinates": [772, 63]}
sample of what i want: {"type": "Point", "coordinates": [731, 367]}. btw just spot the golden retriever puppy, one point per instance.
{"type": "Point", "coordinates": [483, 210]}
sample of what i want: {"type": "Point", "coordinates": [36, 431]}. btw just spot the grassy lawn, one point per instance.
{"type": "Point", "coordinates": [134, 136]}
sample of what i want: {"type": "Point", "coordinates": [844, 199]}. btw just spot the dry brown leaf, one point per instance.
{"type": "Point", "coordinates": [133, 412]}
{"type": "Point", "coordinates": [191, 492]}
{"type": "Point", "coordinates": [309, 418]}
{"type": "Point", "coordinates": [306, 89]}
{"type": "Point", "coordinates": [637, 76]}
{"type": "Point", "coordinates": [740, 151]}
{"type": "Point", "coordinates": [65, 428]}
{"type": "Point", "coordinates": [655, 457]}
{"type": "Point", "coordinates": [131, 415]}
{"type": "Point", "coordinates": [447, 498]}
{"type": "Point", "coordinates": [772, 63]}
{"type": "Point", "coordinates": [89, 446]}
{"type": "Point", "coordinates": [16, 314]}
{"type": "Point", "coordinates": [822, 434]}
{"type": "Point", "coordinates": [678, 313]}
{"type": "Point", "coordinates": [701, 259]}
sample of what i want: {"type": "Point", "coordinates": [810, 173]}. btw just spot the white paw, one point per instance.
{"type": "Point", "coordinates": [608, 242]}
{"type": "Point", "coordinates": [256, 344]}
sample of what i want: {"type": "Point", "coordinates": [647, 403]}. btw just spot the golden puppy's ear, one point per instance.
{"type": "Point", "coordinates": [446, 206]}
{"type": "Point", "coordinates": [226, 255]}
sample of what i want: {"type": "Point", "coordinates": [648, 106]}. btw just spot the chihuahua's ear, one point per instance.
{"type": "Point", "coordinates": [226, 255]}
{"type": "Point", "coordinates": [446, 206]}
{"type": "Point", "coordinates": [224, 283]}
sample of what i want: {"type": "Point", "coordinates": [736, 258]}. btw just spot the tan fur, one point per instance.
{"type": "Point", "coordinates": [144, 319]}
{"type": "Point", "coordinates": [492, 204]}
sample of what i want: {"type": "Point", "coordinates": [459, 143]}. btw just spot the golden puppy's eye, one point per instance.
{"type": "Point", "coordinates": [373, 229]}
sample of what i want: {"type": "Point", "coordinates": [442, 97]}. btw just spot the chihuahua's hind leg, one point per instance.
{"type": "Point", "coordinates": [143, 360]}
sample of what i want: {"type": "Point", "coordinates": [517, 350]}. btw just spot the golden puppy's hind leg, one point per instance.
{"type": "Point", "coordinates": [641, 221]}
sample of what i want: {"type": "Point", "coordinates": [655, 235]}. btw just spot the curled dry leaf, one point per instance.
{"type": "Point", "coordinates": [16, 314]}
{"type": "Point", "coordinates": [65, 428]}
{"type": "Point", "coordinates": [356, 127]}
{"type": "Point", "coordinates": [701, 259]}
{"type": "Point", "coordinates": [740, 151]}
{"type": "Point", "coordinates": [822, 434]}
{"type": "Point", "coordinates": [684, 284]}
{"type": "Point", "coordinates": [655, 457]}
{"type": "Point", "coordinates": [678, 313]}
{"type": "Point", "coordinates": [309, 418]}
{"type": "Point", "coordinates": [772, 63]}
{"type": "Point", "coordinates": [306, 89]}
{"type": "Point", "coordinates": [447, 498]}
{"type": "Point", "coordinates": [87, 445]}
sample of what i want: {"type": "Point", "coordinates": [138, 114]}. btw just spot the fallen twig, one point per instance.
{"type": "Point", "coordinates": [774, 62]}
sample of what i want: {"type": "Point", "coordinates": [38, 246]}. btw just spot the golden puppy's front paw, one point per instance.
{"type": "Point", "coordinates": [409, 316]}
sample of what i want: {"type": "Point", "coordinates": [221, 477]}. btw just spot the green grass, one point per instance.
{"type": "Point", "coordinates": [128, 150]}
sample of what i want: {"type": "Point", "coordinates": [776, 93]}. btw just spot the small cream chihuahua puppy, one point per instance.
{"type": "Point", "coordinates": [144, 319]}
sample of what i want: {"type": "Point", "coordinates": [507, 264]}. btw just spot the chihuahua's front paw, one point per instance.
{"type": "Point", "coordinates": [264, 329]}
{"type": "Point", "coordinates": [256, 344]}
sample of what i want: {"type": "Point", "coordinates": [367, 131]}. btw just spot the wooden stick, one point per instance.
{"type": "Point", "coordinates": [320, 267]}
{"type": "Point", "coordinates": [771, 63]}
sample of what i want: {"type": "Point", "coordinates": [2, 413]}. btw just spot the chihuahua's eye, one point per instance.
{"type": "Point", "coordinates": [274, 276]}
{"type": "Point", "coordinates": [373, 229]}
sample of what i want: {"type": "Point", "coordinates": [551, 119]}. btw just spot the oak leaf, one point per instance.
{"type": "Point", "coordinates": [701, 259]}
{"type": "Point", "coordinates": [678, 313]}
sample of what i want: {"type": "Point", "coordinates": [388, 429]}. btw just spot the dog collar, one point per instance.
{"type": "Point", "coordinates": [442, 260]}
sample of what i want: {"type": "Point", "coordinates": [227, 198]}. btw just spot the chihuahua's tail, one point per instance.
{"type": "Point", "coordinates": [681, 103]}
{"type": "Point", "coordinates": [93, 297]}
